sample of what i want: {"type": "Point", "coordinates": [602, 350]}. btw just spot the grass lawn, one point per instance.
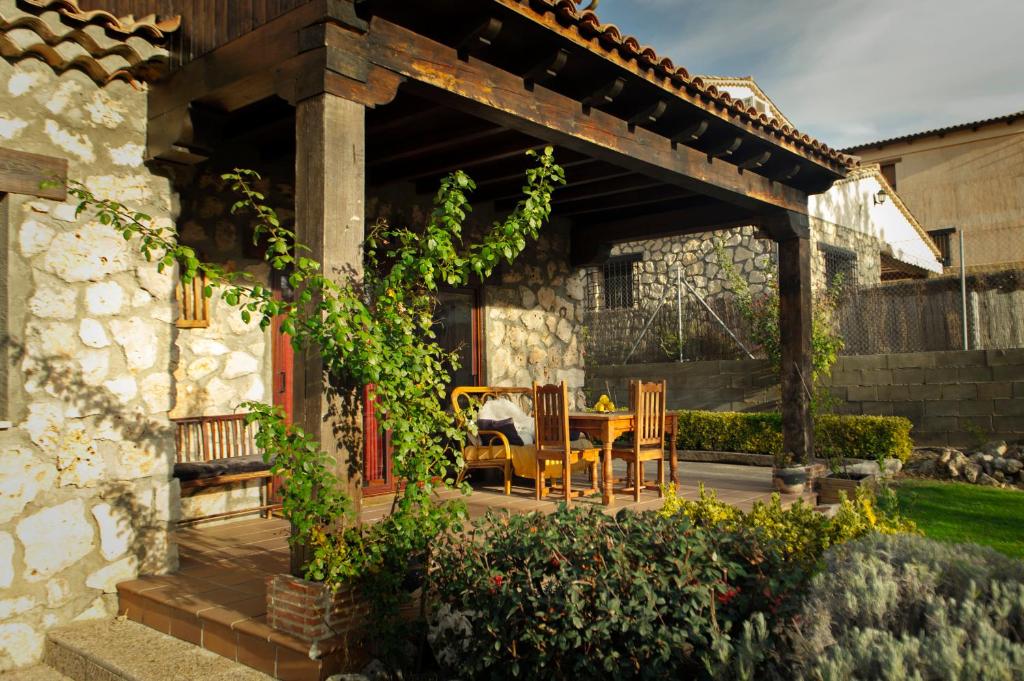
{"type": "Point", "coordinates": [958, 512]}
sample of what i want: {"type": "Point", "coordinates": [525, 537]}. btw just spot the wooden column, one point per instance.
{"type": "Point", "coordinates": [329, 215]}
{"type": "Point", "coordinates": [795, 302]}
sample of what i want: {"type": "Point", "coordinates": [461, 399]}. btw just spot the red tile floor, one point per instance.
{"type": "Point", "coordinates": [217, 598]}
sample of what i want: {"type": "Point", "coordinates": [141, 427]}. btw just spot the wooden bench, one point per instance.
{"type": "Point", "coordinates": [221, 450]}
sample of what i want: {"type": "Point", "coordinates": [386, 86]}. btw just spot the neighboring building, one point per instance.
{"type": "Point", "coordinates": [966, 178]}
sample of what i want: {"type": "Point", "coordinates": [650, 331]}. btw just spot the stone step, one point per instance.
{"type": "Point", "coordinates": [122, 650]}
{"type": "Point", "coordinates": [38, 673]}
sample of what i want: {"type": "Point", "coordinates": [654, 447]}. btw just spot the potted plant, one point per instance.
{"type": "Point", "coordinates": [843, 477]}
{"type": "Point", "coordinates": [787, 476]}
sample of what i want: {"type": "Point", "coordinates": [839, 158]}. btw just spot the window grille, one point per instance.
{"type": "Point", "coordinates": [193, 306]}
{"type": "Point", "coordinates": [840, 265]}
{"type": "Point", "coordinates": [943, 241]}
{"type": "Point", "coordinates": [615, 285]}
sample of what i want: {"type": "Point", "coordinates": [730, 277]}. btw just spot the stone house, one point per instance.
{"type": "Point", "coordinates": [102, 353]}
{"type": "Point", "coordinates": [860, 230]}
{"type": "Point", "coordinates": [962, 178]}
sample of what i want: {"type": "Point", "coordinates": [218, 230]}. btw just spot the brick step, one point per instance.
{"type": "Point", "coordinates": [121, 650]}
{"type": "Point", "coordinates": [228, 622]}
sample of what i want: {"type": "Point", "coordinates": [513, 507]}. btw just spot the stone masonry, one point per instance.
{"type": "Point", "coordinates": [86, 494]}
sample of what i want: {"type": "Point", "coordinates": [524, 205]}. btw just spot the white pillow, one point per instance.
{"type": "Point", "coordinates": [500, 409]}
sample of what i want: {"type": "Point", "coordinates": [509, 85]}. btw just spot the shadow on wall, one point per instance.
{"type": "Point", "coordinates": [122, 452]}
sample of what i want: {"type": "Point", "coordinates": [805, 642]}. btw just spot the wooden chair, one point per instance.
{"type": "Point", "coordinates": [491, 448]}
{"type": "Point", "coordinates": [648, 403]}
{"type": "Point", "coordinates": [551, 412]}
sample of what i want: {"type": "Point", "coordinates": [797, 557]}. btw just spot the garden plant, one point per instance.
{"type": "Point", "coordinates": [376, 330]}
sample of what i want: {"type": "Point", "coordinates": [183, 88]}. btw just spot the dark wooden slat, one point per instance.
{"type": "Point", "coordinates": [509, 144]}
{"type": "Point", "coordinates": [576, 174]}
{"type": "Point", "coordinates": [655, 194]}
{"type": "Point", "coordinates": [486, 91]}
{"type": "Point", "coordinates": [472, 132]}
{"type": "Point", "coordinates": [24, 173]}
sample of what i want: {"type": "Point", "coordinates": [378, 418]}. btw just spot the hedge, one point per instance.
{"type": "Point", "coordinates": [856, 437]}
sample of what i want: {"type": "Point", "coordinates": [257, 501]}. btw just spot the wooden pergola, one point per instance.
{"type": "Point", "coordinates": [379, 90]}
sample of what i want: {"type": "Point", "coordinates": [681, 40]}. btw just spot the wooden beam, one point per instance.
{"type": "Point", "coordinates": [509, 144]}
{"type": "Point", "coordinates": [795, 301]}
{"type": "Point", "coordinates": [725, 148]}
{"type": "Point", "coordinates": [754, 160]}
{"type": "Point", "coordinates": [489, 92]}
{"type": "Point", "coordinates": [479, 38]}
{"type": "Point", "coordinates": [546, 69]}
{"type": "Point", "coordinates": [686, 216]}
{"type": "Point", "coordinates": [648, 115]}
{"type": "Point", "coordinates": [657, 193]}
{"type": "Point", "coordinates": [473, 132]}
{"type": "Point", "coordinates": [689, 133]}
{"type": "Point", "coordinates": [329, 218]}
{"type": "Point", "coordinates": [512, 169]}
{"type": "Point", "coordinates": [605, 187]}
{"type": "Point", "coordinates": [24, 173]}
{"type": "Point", "coordinates": [603, 95]}
{"type": "Point", "coordinates": [576, 175]}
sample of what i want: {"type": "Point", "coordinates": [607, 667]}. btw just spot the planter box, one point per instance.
{"type": "Point", "coordinates": [334, 623]}
{"type": "Point", "coordinates": [829, 487]}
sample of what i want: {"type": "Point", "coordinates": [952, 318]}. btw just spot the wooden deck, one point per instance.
{"type": "Point", "coordinates": [217, 599]}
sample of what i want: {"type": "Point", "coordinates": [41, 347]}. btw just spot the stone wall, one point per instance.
{"type": "Point", "coordinates": [953, 398]}
{"type": "Point", "coordinates": [533, 316]}
{"type": "Point", "coordinates": [86, 494]}
{"type": "Point", "coordinates": [751, 257]}
{"type": "Point", "coordinates": [230, 361]}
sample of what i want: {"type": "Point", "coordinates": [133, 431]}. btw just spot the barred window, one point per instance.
{"type": "Point", "coordinates": [840, 265]}
{"type": "Point", "coordinates": [620, 275]}
{"type": "Point", "coordinates": [942, 239]}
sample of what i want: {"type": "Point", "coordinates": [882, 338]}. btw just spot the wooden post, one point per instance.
{"type": "Point", "coordinates": [795, 331]}
{"type": "Point", "coordinates": [329, 216]}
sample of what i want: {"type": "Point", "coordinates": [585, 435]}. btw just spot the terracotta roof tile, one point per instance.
{"type": "Point", "coordinates": [1008, 118]}
{"type": "Point", "coordinates": [148, 27]}
{"type": "Point", "coordinates": [611, 39]}
{"type": "Point", "coordinates": [66, 37]}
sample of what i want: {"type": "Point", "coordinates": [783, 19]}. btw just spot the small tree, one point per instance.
{"type": "Point", "coordinates": [375, 331]}
{"type": "Point", "coordinates": [761, 312]}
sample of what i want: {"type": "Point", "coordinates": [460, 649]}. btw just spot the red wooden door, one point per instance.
{"type": "Point", "coordinates": [377, 475]}
{"type": "Point", "coordinates": [282, 367]}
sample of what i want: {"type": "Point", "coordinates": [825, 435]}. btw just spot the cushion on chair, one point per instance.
{"type": "Point", "coordinates": [201, 470]}
{"type": "Point", "coordinates": [499, 409]}
{"type": "Point", "coordinates": [506, 427]}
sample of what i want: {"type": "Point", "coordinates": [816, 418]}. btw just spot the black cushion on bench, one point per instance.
{"type": "Point", "coordinates": [201, 470]}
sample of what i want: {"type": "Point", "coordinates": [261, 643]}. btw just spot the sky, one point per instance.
{"type": "Point", "coordinates": [848, 71]}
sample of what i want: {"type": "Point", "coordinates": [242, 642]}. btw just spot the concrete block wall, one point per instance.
{"type": "Point", "coordinates": [954, 398]}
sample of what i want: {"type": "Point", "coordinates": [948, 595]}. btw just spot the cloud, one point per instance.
{"type": "Point", "coordinates": [849, 72]}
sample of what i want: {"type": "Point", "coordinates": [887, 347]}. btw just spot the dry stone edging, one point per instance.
{"type": "Point", "coordinates": [994, 464]}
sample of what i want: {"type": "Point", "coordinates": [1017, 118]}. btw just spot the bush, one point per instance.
{"type": "Point", "coordinates": [898, 607]}
{"type": "Point", "coordinates": [580, 594]}
{"type": "Point", "coordinates": [859, 437]}
{"type": "Point", "coordinates": [799, 531]}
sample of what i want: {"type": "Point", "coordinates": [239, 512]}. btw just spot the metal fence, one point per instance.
{"type": "Point", "coordinates": [881, 308]}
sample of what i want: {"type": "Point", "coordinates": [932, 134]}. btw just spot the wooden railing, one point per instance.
{"type": "Point", "coordinates": [208, 438]}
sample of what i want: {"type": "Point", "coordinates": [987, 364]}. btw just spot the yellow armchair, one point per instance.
{"type": "Point", "coordinates": [492, 449]}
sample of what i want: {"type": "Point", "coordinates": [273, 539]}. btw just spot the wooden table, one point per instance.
{"type": "Point", "coordinates": [607, 426]}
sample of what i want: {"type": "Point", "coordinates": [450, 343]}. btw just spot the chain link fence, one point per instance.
{"type": "Point", "coordinates": [646, 309]}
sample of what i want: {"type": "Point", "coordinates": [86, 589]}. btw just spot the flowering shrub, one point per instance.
{"type": "Point", "coordinates": [802, 533]}
{"type": "Point", "coordinates": [580, 594]}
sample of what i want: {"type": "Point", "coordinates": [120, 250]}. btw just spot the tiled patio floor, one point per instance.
{"type": "Point", "coordinates": [217, 599]}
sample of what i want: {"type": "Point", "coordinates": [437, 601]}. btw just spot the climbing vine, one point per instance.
{"type": "Point", "coordinates": [374, 328]}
